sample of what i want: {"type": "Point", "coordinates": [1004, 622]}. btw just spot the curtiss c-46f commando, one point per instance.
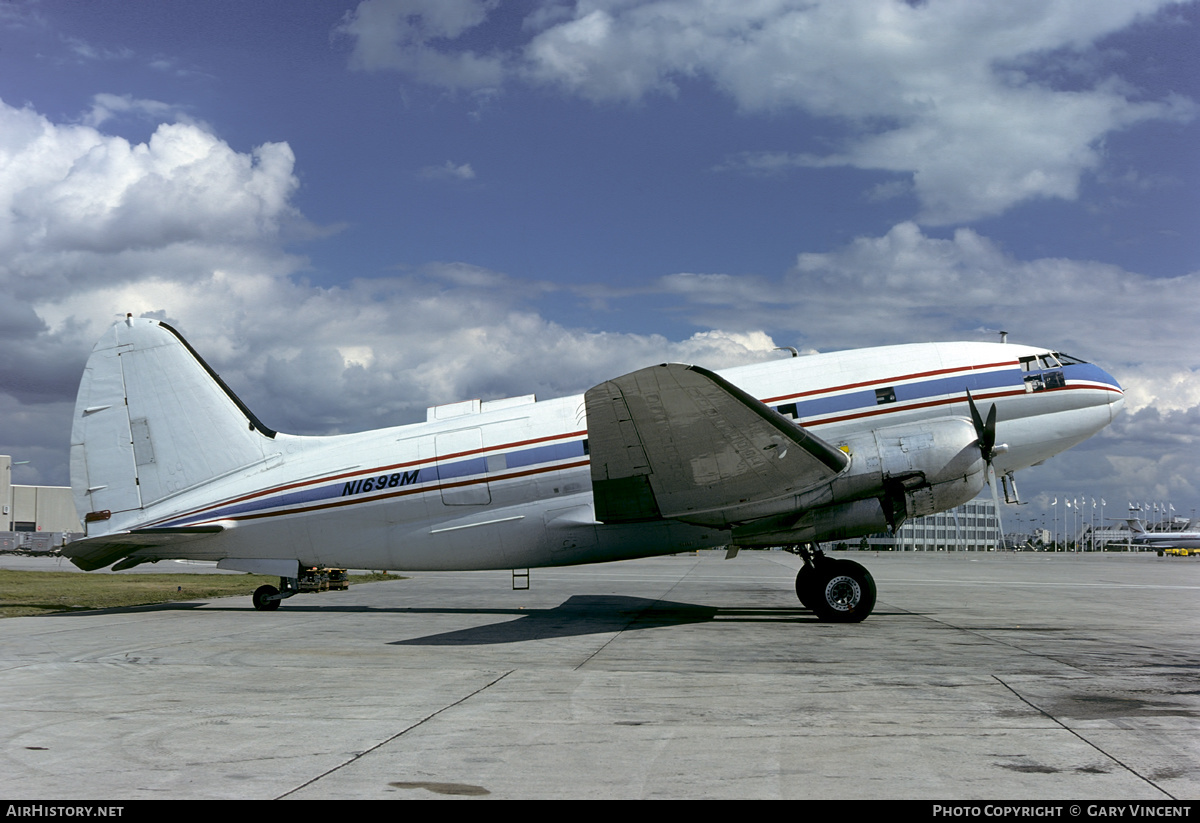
{"type": "Point", "coordinates": [167, 462]}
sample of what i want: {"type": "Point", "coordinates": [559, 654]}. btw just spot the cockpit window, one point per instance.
{"type": "Point", "coordinates": [1049, 360]}
{"type": "Point", "coordinates": [1068, 360]}
{"type": "Point", "coordinates": [1044, 371]}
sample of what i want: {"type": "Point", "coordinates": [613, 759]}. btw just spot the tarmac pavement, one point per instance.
{"type": "Point", "coordinates": [979, 676]}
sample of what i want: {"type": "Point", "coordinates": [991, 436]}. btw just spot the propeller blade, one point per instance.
{"type": "Point", "coordinates": [991, 479]}
{"type": "Point", "coordinates": [986, 432]}
{"type": "Point", "coordinates": [975, 418]}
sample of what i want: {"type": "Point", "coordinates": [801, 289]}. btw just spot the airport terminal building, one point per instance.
{"type": "Point", "coordinates": [970, 527]}
{"type": "Point", "coordinates": [973, 527]}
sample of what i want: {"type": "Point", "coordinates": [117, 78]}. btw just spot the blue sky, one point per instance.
{"type": "Point", "coordinates": [354, 210]}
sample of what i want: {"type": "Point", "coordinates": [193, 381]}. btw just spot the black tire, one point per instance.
{"type": "Point", "coordinates": [844, 592]}
{"type": "Point", "coordinates": [260, 599]}
{"type": "Point", "coordinates": [806, 588]}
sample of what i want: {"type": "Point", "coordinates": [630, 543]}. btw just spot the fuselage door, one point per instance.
{"type": "Point", "coordinates": [462, 468]}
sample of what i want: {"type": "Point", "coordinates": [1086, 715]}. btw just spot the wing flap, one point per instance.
{"type": "Point", "coordinates": [677, 441]}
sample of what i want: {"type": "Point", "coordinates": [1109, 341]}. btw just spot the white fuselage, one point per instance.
{"type": "Point", "coordinates": [1164, 540]}
{"type": "Point", "coordinates": [506, 484]}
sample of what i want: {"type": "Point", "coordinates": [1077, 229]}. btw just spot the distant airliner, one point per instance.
{"type": "Point", "coordinates": [1162, 540]}
{"type": "Point", "coordinates": [167, 462]}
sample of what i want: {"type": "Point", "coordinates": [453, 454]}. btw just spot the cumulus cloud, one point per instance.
{"type": "Point", "coordinates": [965, 98]}
{"type": "Point", "coordinates": [69, 193]}
{"type": "Point", "coordinates": [81, 210]}
{"type": "Point", "coordinates": [190, 230]}
{"type": "Point", "coordinates": [377, 352]}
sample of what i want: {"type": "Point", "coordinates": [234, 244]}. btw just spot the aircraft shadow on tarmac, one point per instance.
{"type": "Point", "coordinates": [592, 614]}
{"type": "Point", "coordinates": [580, 614]}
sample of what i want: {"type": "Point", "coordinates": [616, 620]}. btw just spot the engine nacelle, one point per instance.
{"type": "Point", "coordinates": [929, 467]}
{"type": "Point", "coordinates": [895, 473]}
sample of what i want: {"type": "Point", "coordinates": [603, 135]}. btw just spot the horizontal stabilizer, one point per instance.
{"type": "Point", "coordinates": [91, 553]}
{"type": "Point", "coordinates": [681, 442]}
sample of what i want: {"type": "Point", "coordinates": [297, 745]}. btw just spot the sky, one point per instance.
{"type": "Point", "coordinates": [357, 210]}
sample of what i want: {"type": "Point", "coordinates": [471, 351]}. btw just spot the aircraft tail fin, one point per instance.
{"type": "Point", "coordinates": [152, 420]}
{"type": "Point", "coordinates": [1135, 525]}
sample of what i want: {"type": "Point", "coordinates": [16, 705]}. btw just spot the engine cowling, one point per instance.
{"type": "Point", "coordinates": [930, 467]}
{"type": "Point", "coordinates": [896, 472]}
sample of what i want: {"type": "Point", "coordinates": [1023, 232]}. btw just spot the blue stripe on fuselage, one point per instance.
{"type": "Point", "coordinates": [423, 476]}
{"type": "Point", "coordinates": [1090, 373]}
{"type": "Point", "coordinates": [544, 454]}
{"type": "Point", "coordinates": [904, 392]}
{"type": "Point", "coordinates": [937, 387]}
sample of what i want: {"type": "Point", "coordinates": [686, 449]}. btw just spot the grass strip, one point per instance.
{"type": "Point", "coordinates": [24, 593]}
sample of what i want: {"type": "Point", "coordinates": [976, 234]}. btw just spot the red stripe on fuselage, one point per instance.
{"type": "Point", "coordinates": [332, 478]}
{"type": "Point", "coordinates": [403, 493]}
{"type": "Point", "coordinates": [890, 380]}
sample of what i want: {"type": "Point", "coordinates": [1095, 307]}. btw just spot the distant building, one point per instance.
{"type": "Point", "coordinates": [970, 527]}
{"type": "Point", "coordinates": [34, 518]}
{"type": "Point", "coordinates": [1096, 538]}
{"type": "Point", "coordinates": [973, 527]}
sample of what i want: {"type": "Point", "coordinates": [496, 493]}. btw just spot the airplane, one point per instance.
{"type": "Point", "coordinates": [168, 463]}
{"type": "Point", "coordinates": [1182, 539]}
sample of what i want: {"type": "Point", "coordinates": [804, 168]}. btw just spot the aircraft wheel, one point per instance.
{"type": "Point", "coordinates": [844, 592]}
{"type": "Point", "coordinates": [806, 588]}
{"type": "Point", "coordinates": [260, 599]}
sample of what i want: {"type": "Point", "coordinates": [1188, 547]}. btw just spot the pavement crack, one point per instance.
{"type": "Point", "coordinates": [635, 618]}
{"type": "Point", "coordinates": [398, 734]}
{"type": "Point", "coordinates": [991, 638]}
{"type": "Point", "coordinates": [1081, 738]}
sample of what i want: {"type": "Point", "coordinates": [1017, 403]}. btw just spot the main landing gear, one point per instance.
{"type": "Point", "coordinates": [837, 591]}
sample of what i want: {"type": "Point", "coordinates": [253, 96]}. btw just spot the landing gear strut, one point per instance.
{"type": "Point", "coordinates": [311, 579]}
{"type": "Point", "coordinates": [837, 591]}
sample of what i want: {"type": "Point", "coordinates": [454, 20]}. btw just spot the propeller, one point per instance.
{"type": "Point", "coordinates": [985, 431]}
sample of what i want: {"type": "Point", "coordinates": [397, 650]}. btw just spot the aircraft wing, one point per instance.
{"type": "Point", "coordinates": [680, 442]}
{"type": "Point", "coordinates": [91, 553]}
